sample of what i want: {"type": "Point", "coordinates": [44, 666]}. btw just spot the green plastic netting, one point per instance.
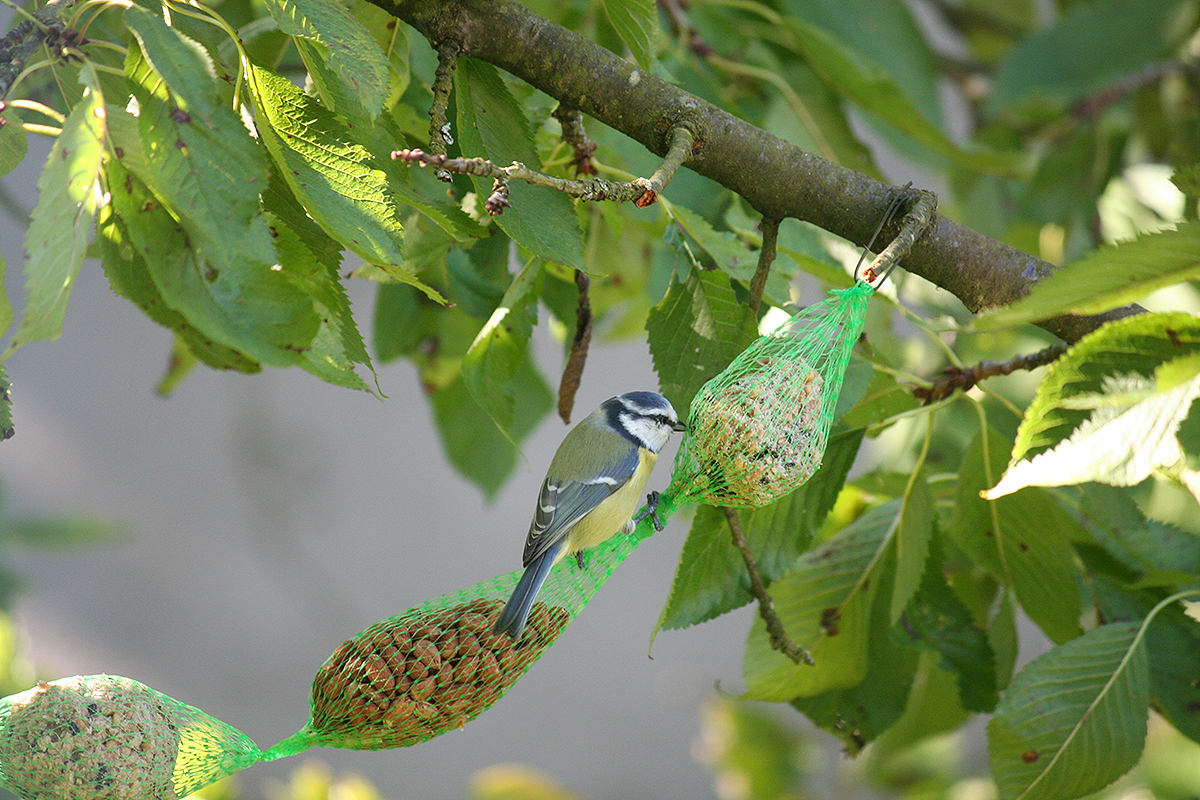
{"type": "Point", "coordinates": [106, 737]}
{"type": "Point", "coordinates": [437, 666]}
{"type": "Point", "coordinates": [756, 432]}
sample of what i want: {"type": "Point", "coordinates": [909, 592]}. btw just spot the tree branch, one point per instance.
{"type": "Point", "coordinates": [766, 606]}
{"type": "Point", "coordinates": [777, 178]}
{"type": "Point", "coordinates": [23, 40]}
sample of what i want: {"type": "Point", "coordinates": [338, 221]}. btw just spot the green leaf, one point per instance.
{"type": "Point", "coordinates": [1143, 545]}
{"type": "Point", "coordinates": [1023, 540]}
{"type": "Point", "coordinates": [6, 421]}
{"type": "Point", "coordinates": [393, 42]}
{"type": "Point", "coordinates": [492, 125]}
{"type": "Point", "coordinates": [130, 275]}
{"type": "Point", "coordinates": [1086, 50]}
{"type": "Point", "coordinates": [731, 253]}
{"type": "Point", "coordinates": [694, 332]}
{"type": "Point", "coordinates": [754, 748]}
{"type": "Point", "coordinates": [825, 607]}
{"type": "Point", "coordinates": [861, 713]}
{"type": "Point", "coordinates": [344, 60]}
{"type": "Point", "coordinates": [59, 532]}
{"type": "Point", "coordinates": [727, 250]}
{"type": "Point", "coordinates": [912, 543]}
{"type": "Point", "coordinates": [211, 259]}
{"type": "Point", "coordinates": [1106, 278]}
{"type": "Point", "coordinates": [1103, 386]}
{"type": "Point", "coordinates": [908, 58]}
{"type": "Point", "coordinates": [636, 22]}
{"type": "Point", "coordinates": [936, 620]}
{"type": "Point", "coordinates": [710, 578]}
{"type": "Point", "coordinates": [932, 707]}
{"type": "Point", "coordinates": [1133, 346]}
{"type": "Point", "coordinates": [183, 64]}
{"type": "Point", "coordinates": [874, 89]}
{"type": "Point", "coordinates": [14, 141]}
{"type": "Point", "coordinates": [395, 330]}
{"type": "Point", "coordinates": [1172, 641]}
{"type": "Point", "coordinates": [70, 192]}
{"type": "Point", "coordinates": [496, 357]}
{"type": "Point", "coordinates": [330, 174]}
{"type": "Point", "coordinates": [884, 398]}
{"type": "Point", "coordinates": [337, 346]}
{"type": "Point", "coordinates": [473, 443]}
{"type": "Point", "coordinates": [1119, 446]}
{"type": "Point", "coordinates": [1074, 719]}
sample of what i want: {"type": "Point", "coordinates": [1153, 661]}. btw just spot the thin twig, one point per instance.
{"type": "Point", "coordinates": [918, 220]}
{"type": "Point", "coordinates": [766, 256]}
{"type": "Point", "coordinates": [1089, 107]}
{"type": "Point", "coordinates": [573, 371]}
{"type": "Point", "coordinates": [641, 191]}
{"type": "Point", "coordinates": [766, 606]}
{"type": "Point", "coordinates": [963, 378]}
{"type": "Point", "coordinates": [440, 134]}
{"type": "Point", "coordinates": [574, 134]}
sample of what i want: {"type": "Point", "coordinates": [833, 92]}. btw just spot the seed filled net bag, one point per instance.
{"type": "Point", "coordinates": [758, 430]}
{"type": "Point", "coordinates": [437, 666]}
{"type": "Point", "coordinates": [104, 737]}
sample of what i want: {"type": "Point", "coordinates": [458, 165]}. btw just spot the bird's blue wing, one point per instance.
{"type": "Point", "coordinates": [561, 506]}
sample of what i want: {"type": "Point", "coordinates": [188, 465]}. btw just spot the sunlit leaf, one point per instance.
{"type": "Point", "coordinates": [1118, 445]}
{"type": "Point", "coordinates": [343, 58]}
{"type": "Point", "coordinates": [70, 191]}
{"type": "Point", "coordinates": [331, 174]}
{"type": "Point", "coordinates": [1107, 278]}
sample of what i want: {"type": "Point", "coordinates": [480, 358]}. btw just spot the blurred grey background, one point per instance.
{"type": "Point", "coordinates": [267, 518]}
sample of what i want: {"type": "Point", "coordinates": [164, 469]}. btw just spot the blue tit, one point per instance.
{"type": "Point", "coordinates": [591, 490]}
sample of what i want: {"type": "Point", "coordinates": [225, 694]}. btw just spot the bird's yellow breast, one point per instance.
{"type": "Point", "coordinates": [614, 512]}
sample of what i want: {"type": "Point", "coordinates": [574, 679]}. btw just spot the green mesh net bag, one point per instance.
{"type": "Point", "coordinates": [758, 429]}
{"type": "Point", "coordinates": [437, 666]}
{"type": "Point", "coordinates": [104, 737]}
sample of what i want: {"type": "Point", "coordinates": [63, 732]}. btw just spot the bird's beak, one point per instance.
{"type": "Point", "coordinates": [680, 427]}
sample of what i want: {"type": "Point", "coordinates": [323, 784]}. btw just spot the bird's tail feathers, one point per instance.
{"type": "Point", "coordinates": [515, 613]}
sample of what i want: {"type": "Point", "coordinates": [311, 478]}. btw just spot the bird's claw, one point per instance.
{"type": "Point", "coordinates": [651, 511]}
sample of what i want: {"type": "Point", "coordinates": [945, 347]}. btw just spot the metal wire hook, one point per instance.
{"type": "Point", "coordinates": [894, 205]}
